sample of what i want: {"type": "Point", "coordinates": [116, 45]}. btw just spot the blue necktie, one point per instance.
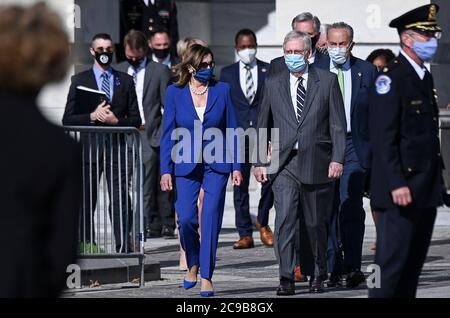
{"type": "Point", "coordinates": [105, 86]}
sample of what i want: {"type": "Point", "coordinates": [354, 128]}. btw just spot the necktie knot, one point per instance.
{"type": "Point", "coordinates": [247, 67]}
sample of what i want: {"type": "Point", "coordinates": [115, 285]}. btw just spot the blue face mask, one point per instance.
{"type": "Point", "coordinates": [204, 75]}
{"type": "Point", "coordinates": [338, 54]}
{"type": "Point", "coordinates": [295, 62]}
{"type": "Point", "coordinates": [425, 50]}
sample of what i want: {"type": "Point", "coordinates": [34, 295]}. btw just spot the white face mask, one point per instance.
{"type": "Point", "coordinates": [338, 55]}
{"type": "Point", "coordinates": [247, 56]}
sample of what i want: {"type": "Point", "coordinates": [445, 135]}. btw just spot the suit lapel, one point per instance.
{"type": "Point", "coordinates": [356, 82]}
{"type": "Point", "coordinates": [91, 82]}
{"type": "Point", "coordinates": [117, 86]}
{"type": "Point", "coordinates": [285, 93]}
{"type": "Point", "coordinates": [212, 96]}
{"type": "Point", "coordinates": [187, 97]}
{"type": "Point", "coordinates": [262, 71]}
{"type": "Point", "coordinates": [147, 77]}
{"type": "Point", "coordinates": [311, 91]}
{"type": "Point", "coordinates": [237, 75]}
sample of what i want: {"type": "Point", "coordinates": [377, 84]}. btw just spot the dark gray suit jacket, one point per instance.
{"type": "Point", "coordinates": [321, 133]}
{"type": "Point", "coordinates": [156, 79]}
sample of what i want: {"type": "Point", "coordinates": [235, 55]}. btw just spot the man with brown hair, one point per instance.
{"type": "Point", "coordinates": [151, 80]}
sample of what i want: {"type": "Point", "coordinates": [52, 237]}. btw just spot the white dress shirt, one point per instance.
{"type": "Point", "coordinates": [139, 86]}
{"type": "Point", "coordinates": [166, 61]}
{"type": "Point", "coordinates": [294, 81]}
{"type": "Point", "coordinates": [347, 89]}
{"type": "Point", "coordinates": [419, 69]}
{"type": "Point", "coordinates": [243, 76]}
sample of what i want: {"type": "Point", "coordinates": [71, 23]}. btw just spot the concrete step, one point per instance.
{"type": "Point", "coordinates": [117, 270]}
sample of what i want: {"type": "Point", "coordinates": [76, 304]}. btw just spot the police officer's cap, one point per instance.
{"type": "Point", "coordinates": [421, 19]}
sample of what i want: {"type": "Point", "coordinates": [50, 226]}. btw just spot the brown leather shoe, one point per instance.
{"type": "Point", "coordinates": [298, 276]}
{"type": "Point", "coordinates": [265, 233]}
{"type": "Point", "coordinates": [244, 242]}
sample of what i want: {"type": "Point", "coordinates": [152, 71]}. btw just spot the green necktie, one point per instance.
{"type": "Point", "coordinates": [341, 80]}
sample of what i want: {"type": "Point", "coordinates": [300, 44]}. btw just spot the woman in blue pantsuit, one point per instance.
{"type": "Point", "coordinates": [197, 107]}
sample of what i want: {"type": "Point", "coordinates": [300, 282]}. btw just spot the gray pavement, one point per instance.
{"type": "Point", "coordinates": [253, 273]}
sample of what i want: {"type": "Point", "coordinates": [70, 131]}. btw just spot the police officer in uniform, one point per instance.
{"type": "Point", "coordinates": [149, 15]}
{"type": "Point", "coordinates": [406, 181]}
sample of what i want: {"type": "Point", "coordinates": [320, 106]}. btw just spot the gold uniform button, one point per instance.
{"type": "Point", "coordinates": [418, 111]}
{"type": "Point", "coordinates": [150, 28]}
{"type": "Point", "coordinates": [434, 118]}
{"type": "Point", "coordinates": [409, 170]}
{"type": "Point", "coordinates": [150, 20]}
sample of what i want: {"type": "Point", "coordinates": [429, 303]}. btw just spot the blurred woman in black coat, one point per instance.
{"type": "Point", "coordinates": [40, 167]}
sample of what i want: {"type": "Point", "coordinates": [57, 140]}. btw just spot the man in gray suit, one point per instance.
{"type": "Point", "coordinates": [305, 105]}
{"type": "Point", "coordinates": [151, 80]}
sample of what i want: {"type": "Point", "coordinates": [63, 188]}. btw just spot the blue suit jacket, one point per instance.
{"type": "Point", "coordinates": [181, 119]}
{"type": "Point", "coordinates": [246, 114]}
{"type": "Point", "coordinates": [363, 77]}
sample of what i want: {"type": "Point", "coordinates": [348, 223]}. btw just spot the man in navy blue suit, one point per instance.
{"type": "Point", "coordinates": [246, 78]}
{"type": "Point", "coordinates": [355, 78]}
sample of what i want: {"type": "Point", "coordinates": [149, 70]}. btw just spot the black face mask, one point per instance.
{"type": "Point", "coordinates": [136, 63]}
{"type": "Point", "coordinates": [314, 41]}
{"type": "Point", "coordinates": [161, 53]}
{"type": "Point", "coordinates": [104, 58]}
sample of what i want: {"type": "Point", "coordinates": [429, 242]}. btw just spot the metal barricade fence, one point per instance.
{"type": "Point", "coordinates": [111, 219]}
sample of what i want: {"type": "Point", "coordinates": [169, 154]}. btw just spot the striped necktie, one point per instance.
{"type": "Point", "coordinates": [249, 85]}
{"type": "Point", "coordinates": [301, 95]}
{"type": "Point", "coordinates": [135, 74]}
{"type": "Point", "coordinates": [105, 85]}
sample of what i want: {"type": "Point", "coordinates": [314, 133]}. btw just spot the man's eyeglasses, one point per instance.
{"type": "Point", "coordinates": [204, 65]}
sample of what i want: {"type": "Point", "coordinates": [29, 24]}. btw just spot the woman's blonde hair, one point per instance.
{"type": "Point", "coordinates": [193, 57]}
{"type": "Point", "coordinates": [185, 43]}
{"type": "Point", "coordinates": [34, 48]}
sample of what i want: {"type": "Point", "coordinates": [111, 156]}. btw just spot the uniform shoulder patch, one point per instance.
{"type": "Point", "coordinates": [383, 84]}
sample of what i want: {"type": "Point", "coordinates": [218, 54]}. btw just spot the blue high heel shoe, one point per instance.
{"type": "Point", "coordinates": [208, 293]}
{"type": "Point", "coordinates": [188, 285]}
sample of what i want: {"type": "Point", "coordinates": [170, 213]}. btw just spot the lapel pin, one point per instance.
{"type": "Point", "coordinates": [263, 70]}
{"type": "Point", "coordinates": [359, 74]}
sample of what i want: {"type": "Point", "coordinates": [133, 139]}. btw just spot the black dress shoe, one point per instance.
{"type": "Point", "coordinates": [354, 279]}
{"type": "Point", "coordinates": [168, 232]}
{"type": "Point", "coordinates": [334, 280]}
{"type": "Point", "coordinates": [286, 288]}
{"type": "Point", "coordinates": [316, 284]}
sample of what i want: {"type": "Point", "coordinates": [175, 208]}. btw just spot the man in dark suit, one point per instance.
{"type": "Point", "coordinates": [120, 109]}
{"type": "Point", "coordinates": [149, 15]}
{"type": "Point", "coordinates": [159, 42]}
{"type": "Point", "coordinates": [355, 78]}
{"type": "Point", "coordinates": [151, 80]}
{"type": "Point", "coordinates": [307, 23]}
{"type": "Point", "coordinates": [246, 79]}
{"type": "Point", "coordinates": [406, 181]}
{"type": "Point", "coordinates": [306, 106]}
